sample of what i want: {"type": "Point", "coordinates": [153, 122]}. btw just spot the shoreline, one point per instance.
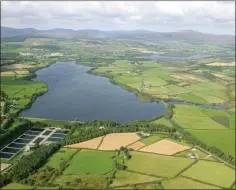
{"type": "Point", "coordinates": [139, 95]}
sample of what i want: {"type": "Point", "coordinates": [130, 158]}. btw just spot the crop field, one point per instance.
{"type": "Point", "coordinates": [64, 154]}
{"type": "Point", "coordinates": [214, 173]}
{"type": "Point", "coordinates": [116, 140]}
{"type": "Point", "coordinates": [157, 165]}
{"type": "Point", "coordinates": [123, 178]}
{"type": "Point", "coordinates": [184, 183]}
{"type": "Point", "coordinates": [164, 146]}
{"type": "Point", "coordinates": [137, 145]}
{"type": "Point", "coordinates": [90, 161]}
{"type": "Point", "coordinates": [90, 144]}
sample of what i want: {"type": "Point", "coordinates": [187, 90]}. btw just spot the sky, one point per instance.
{"type": "Point", "coordinates": [217, 17]}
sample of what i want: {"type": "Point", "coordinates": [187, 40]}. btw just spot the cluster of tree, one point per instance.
{"type": "Point", "coordinates": [118, 166]}
{"type": "Point", "coordinates": [189, 138]}
{"type": "Point", "coordinates": [13, 132]}
{"type": "Point", "coordinates": [43, 177]}
{"type": "Point", "coordinates": [30, 163]}
{"type": "Point", "coordinates": [126, 152]}
{"type": "Point", "coordinates": [169, 111]}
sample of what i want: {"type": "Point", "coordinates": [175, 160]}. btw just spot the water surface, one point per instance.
{"type": "Point", "coordinates": [74, 93]}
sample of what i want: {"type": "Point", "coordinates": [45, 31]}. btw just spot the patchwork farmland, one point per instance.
{"type": "Point", "coordinates": [143, 169]}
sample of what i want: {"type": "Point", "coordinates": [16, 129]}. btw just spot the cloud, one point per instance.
{"type": "Point", "coordinates": [211, 17]}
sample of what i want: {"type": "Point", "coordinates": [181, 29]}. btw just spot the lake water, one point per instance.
{"type": "Point", "coordinates": [74, 93]}
{"type": "Point", "coordinates": [168, 58]}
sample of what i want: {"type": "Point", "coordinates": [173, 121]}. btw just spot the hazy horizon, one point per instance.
{"type": "Point", "coordinates": [213, 17]}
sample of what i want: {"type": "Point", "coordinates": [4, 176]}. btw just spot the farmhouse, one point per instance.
{"type": "Point", "coordinates": [192, 156]}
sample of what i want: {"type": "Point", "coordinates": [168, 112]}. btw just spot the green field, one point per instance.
{"type": "Point", "coordinates": [197, 152]}
{"type": "Point", "coordinates": [20, 92]}
{"type": "Point", "coordinates": [211, 172]}
{"type": "Point", "coordinates": [152, 139]}
{"type": "Point", "coordinates": [224, 140]}
{"type": "Point", "coordinates": [124, 178]}
{"type": "Point", "coordinates": [163, 121]}
{"type": "Point", "coordinates": [184, 183]}
{"type": "Point", "coordinates": [64, 154]}
{"type": "Point", "coordinates": [90, 161]}
{"type": "Point", "coordinates": [157, 165]}
{"type": "Point", "coordinates": [208, 125]}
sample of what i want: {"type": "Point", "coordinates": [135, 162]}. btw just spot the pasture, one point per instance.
{"type": "Point", "coordinates": [152, 139]}
{"type": "Point", "coordinates": [211, 172]}
{"type": "Point", "coordinates": [92, 162]}
{"type": "Point", "coordinates": [224, 140]}
{"type": "Point", "coordinates": [184, 183]}
{"type": "Point", "coordinates": [64, 154]}
{"type": "Point", "coordinates": [157, 165]}
{"type": "Point", "coordinates": [124, 178]}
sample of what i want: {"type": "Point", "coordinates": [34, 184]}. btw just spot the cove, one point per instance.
{"type": "Point", "coordinates": [74, 93]}
{"type": "Point", "coordinates": [169, 58]}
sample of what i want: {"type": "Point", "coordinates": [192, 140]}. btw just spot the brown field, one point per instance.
{"type": "Point", "coordinates": [18, 66]}
{"type": "Point", "coordinates": [4, 166]}
{"type": "Point", "coordinates": [22, 72]}
{"type": "Point", "coordinates": [192, 77]}
{"type": "Point", "coordinates": [90, 144]}
{"type": "Point", "coordinates": [136, 145]}
{"type": "Point", "coordinates": [164, 146]}
{"type": "Point", "coordinates": [116, 140]}
{"type": "Point", "coordinates": [7, 73]}
{"type": "Point", "coordinates": [147, 51]}
{"type": "Point", "coordinates": [187, 77]}
{"type": "Point", "coordinates": [218, 64]}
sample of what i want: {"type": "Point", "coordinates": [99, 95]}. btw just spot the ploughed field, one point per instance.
{"type": "Point", "coordinates": [88, 166]}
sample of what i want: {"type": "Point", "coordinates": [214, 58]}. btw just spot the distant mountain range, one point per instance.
{"type": "Point", "coordinates": [8, 33]}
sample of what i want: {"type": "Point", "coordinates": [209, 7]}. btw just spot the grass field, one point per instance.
{"type": "Point", "coordinates": [19, 92]}
{"type": "Point", "coordinates": [211, 172]}
{"type": "Point", "coordinates": [157, 165]}
{"type": "Point", "coordinates": [64, 154]}
{"type": "Point", "coordinates": [123, 178]}
{"type": "Point", "coordinates": [208, 125]}
{"type": "Point", "coordinates": [224, 140]}
{"type": "Point", "coordinates": [184, 183]}
{"type": "Point", "coordinates": [163, 121]}
{"type": "Point", "coordinates": [197, 152]}
{"type": "Point", "coordinates": [90, 161]}
{"type": "Point", "coordinates": [196, 122]}
{"type": "Point", "coordinates": [152, 139]}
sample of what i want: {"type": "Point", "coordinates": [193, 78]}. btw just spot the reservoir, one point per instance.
{"type": "Point", "coordinates": [74, 93]}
